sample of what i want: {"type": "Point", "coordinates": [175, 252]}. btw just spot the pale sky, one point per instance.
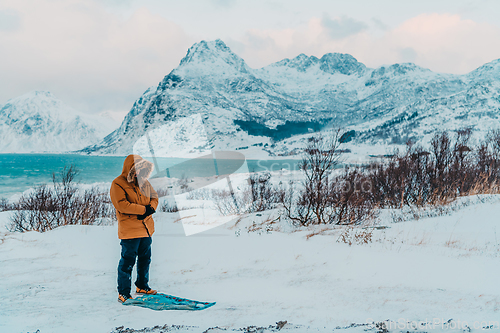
{"type": "Point", "coordinates": [100, 55]}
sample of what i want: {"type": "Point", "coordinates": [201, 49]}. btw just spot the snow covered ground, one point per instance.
{"type": "Point", "coordinates": [431, 270]}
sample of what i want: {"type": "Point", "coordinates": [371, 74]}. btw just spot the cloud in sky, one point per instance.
{"type": "Point", "coordinates": [444, 42]}
{"type": "Point", "coordinates": [86, 54]}
{"type": "Point", "coordinates": [379, 24]}
{"type": "Point", "coordinates": [342, 27]}
{"type": "Point", "coordinates": [408, 54]}
{"type": "Point", "coordinates": [99, 55]}
{"type": "Point", "coordinates": [223, 3]}
{"type": "Point", "coordinates": [440, 42]}
{"type": "Point", "coordinates": [9, 20]}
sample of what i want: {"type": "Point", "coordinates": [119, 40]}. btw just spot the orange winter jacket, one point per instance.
{"type": "Point", "coordinates": [131, 198]}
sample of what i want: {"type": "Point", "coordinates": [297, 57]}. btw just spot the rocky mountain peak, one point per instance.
{"type": "Point", "coordinates": [331, 63]}
{"type": "Point", "coordinates": [398, 70]}
{"type": "Point", "coordinates": [38, 121]}
{"type": "Point", "coordinates": [488, 70]}
{"type": "Point", "coordinates": [341, 63]}
{"type": "Point", "coordinates": [36, 102]}
{"type": "Point", "coordinates": [239, 105]}
{"type": "Point", "coordinates": [301, 62]}
{"type": "Point", "coordinates": [212, 55]}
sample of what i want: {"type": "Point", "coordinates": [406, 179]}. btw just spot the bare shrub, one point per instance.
{"type": "Point", "coordinates": [162, 192]}
{"type": "Point", "coordinates": [200, 194]}
{"type": "Point", "coordinates": [36, 211]}
{"type": "Point", "coordinates": [183, 184]}
{"type": "Point", "coordinates": [228, 203]}
{"type": "Point", "coordinates": [5, 205]}
{"type": "Point", "coordinates": [322, 198]}
{"type": "Point", "coordinates": [413, 212]}
{"type": "Point", "coordinates": [264, 195]}
{"type": "Point", "coordinates": [320, 158]}
{"type": "Point", "coordinates": [451, 169]}
{"type": "Point", "coordinates": [310, 203]}
{"type": "Point", "coordinates": [168, 207]}
{"type": "Point", "coordinates": [317, 232]}
{"type": "Point", "coordinates": [351, 235]}
{"type": "Point", "coordinates": [350, 198]}
{"type": "Point", "coordinates": [259, 195]}
{"type": "Point", "coordinates": [47, 208]}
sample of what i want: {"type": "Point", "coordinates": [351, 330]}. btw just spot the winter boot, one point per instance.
{"type": "Point", "coordinates": [123, 298]}
{"type": "Point", "coordinates": [145, 291]}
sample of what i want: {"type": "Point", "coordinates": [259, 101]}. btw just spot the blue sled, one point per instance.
{"type": "Point", "coordinates": [167, 302]}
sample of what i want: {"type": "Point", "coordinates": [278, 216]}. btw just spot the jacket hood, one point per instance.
{"type": "Point", "coordinates": [135, 164]}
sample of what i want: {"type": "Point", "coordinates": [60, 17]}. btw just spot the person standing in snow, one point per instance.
{"type": "Point", "coordinates": [135, 201]}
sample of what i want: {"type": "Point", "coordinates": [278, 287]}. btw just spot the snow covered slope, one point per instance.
{"type": "Point", "coordinates": [242, 107]}
{"type": "Point", "coordinates": [426, 271]}
{"type": "Point", "coordinates": [38, 122]}
{"type": "Point", "coordinates": [448, 102]}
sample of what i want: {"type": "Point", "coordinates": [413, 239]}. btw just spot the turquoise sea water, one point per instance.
{"type": "Point", "coordinates": [19, 172]}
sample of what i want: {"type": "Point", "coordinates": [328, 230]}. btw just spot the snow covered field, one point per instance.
{"type": "Point", "coordinates": [432, 270]}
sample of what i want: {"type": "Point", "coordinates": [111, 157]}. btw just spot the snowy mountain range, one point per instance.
{"type": "Point", "coordinates": [243, 107]}
{"type": "Point", "coordinates": [39, 122]}
{"type": "Point", "coordinates": [214, 100]}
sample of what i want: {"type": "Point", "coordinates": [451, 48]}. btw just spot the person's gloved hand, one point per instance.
{"type": "Point", "coordinates": [149, 211]}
